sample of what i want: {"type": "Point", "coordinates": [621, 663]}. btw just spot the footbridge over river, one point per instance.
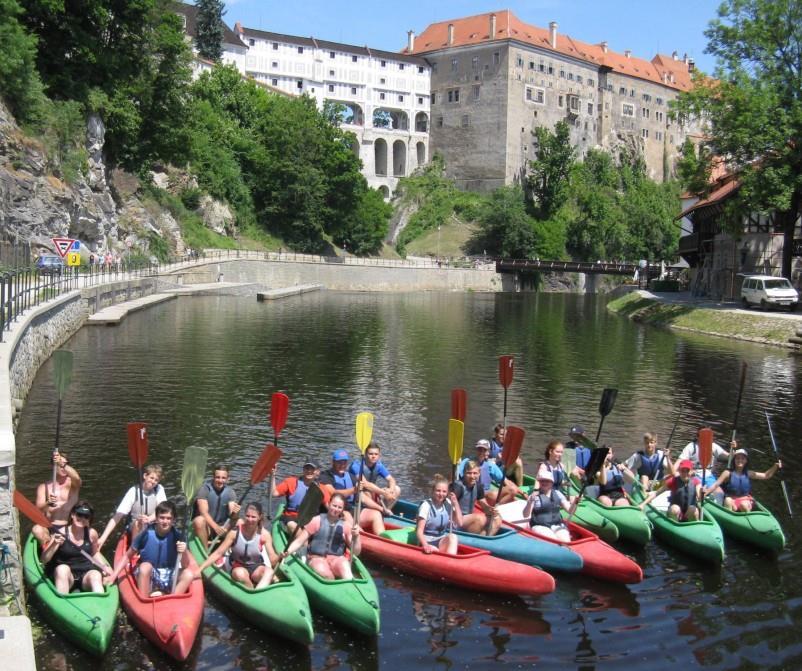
{"type": "Point", "coordinates": [520, 268]}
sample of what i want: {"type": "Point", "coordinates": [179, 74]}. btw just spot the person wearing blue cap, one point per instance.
{"type": "Point", "coordinates": [339, 479]}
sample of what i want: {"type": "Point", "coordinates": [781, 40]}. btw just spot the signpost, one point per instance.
{"type": "Point", "coordinates": [73, 259]}
{"type": "Point", "coordinates": [66, 245]}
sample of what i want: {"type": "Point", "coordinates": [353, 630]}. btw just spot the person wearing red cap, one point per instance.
{"type": "Point", "coordinates": [686, 492]}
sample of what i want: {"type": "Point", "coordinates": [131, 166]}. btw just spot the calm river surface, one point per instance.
{"type": "Point", "coordinates": [201, 371]}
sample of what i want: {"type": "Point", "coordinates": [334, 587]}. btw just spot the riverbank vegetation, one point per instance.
{"type": "Point", "coordinates": [285, 167]}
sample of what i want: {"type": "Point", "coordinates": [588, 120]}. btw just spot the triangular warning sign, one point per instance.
{"type": "Point", "coordinates": [62, 245]}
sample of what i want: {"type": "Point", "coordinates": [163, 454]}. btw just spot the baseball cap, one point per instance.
{"type": "Point", "coordinates": [311, 464]}
{"type": "Point", "coordinates": [483, 444]}
{"type": "Point", "coordinates": [742, 451]}
{"type": "Point", "coordinates": [686, 463]}
{"type": "Point", "coordinates": [339, 455]}
{"type": "Point", "coordinates": [578, 429]}
{"type": "Point", "coordinates": [545, 474]}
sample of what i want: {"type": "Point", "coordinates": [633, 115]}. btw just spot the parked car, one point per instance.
{"type": "Point", "coordinates": [767, 291]}
{"type": "Point", "coordinates": [50, 264]}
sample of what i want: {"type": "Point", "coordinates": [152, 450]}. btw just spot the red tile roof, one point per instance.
{"type": "Point", "coordinates": [472, 30]}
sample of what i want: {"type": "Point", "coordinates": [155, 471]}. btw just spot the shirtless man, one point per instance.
{"type": "Point", "coordinates": [57, 500]}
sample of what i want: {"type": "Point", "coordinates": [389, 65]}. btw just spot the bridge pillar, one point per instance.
{"type": "Point", "coordinates": [591, 283]}
{"type": "Point", "coordinates": [581, 282]}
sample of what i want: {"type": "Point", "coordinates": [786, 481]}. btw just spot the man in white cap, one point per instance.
{"type": "Point", "coordinates": [490, 473]}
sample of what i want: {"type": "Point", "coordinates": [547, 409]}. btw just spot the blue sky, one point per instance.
{"type": "Point", "coordinates": [644, 26]}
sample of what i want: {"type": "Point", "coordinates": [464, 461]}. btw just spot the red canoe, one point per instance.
{"type": "Point", "coordinates": [170, 621]}
{"type": "Point", "coordinates": [599, 559]}
{"type": "Point", "coordinates": [470, 568]}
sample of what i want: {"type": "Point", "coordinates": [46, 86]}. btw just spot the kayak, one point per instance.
{"type": "Point", "coordinates": [469, 568]}
{"type": "Point", "coordinates": [586, 516]}
{"type": "Point", "coordinates": [599, 559]}
{"type": "Point", "coordinates": [506, 544]}
{"type": "Point", "coordinates": [280, 608]}
{"type": "Point", "coordinates": [169, 621]}
{"type": "Point", "coordinates": [702, 539]}
{"type": "Point", "coordinates": [352, 603]}
{"type": "Point", "coordinates": [758, 527]}
{"type": "Point", "coordinates": [85, 618]}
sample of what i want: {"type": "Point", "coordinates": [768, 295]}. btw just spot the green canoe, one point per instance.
{"type": "Point", "coordinates": [585, 516]}
{"type": "Point", "coordinates": [630, 520]}
{"type": "Point", "coordinates": [702, 539]}
{"type": "Point", "coordinates": [281, 608]}
{"type": "Point", "coordinates": [351, 603]}
{"type": "Point", "coordinates": [85, 618]}
{"type": "Point", "coordinates": [758, 527]}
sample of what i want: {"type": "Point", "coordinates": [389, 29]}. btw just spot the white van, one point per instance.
{"type": "Point", "coordinates": [767, 291]}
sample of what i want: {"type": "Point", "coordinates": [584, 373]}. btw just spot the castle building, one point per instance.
{"type": "Point", "coordinates": [495, 78]}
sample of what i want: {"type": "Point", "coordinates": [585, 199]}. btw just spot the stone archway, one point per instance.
{"type": "Point", "coordinates": [399, 158]}
{"type": "Point", "coordinates": [420, 148]}
{"type": "Point", "coordinates": [380, 156]}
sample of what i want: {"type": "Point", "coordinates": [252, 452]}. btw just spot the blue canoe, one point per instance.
{"type": "Point", "coordinates": [506, 544]}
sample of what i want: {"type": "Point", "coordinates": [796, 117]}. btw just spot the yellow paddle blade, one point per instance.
{"type": "Point", "coordinates": [456, 434]}
{"type": "Point", "coordinates": [364, 430]}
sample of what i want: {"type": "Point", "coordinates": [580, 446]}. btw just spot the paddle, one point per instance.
{"type": "Point", "coordinates": [62, 375]}
{"type": "Point", "coordinates": [741, 385]}
{"type": "Point", "coordinates": [279, 407]}
{"type": "Point", "coordinates": [456, 436]}
{"type": "Point", "coordinates": [138, 453]}
{"type": "Point", "coordinates": [606, 404]}
{"type": "Point", "coordinates": [513, 440]}
{"type": "Point", "coordinates": [309, 507]}
{"type": "Point", "coordinates": [264, 464]}
{"type": "Point", "coordinates": [191, 479]}
{"type": "Point", "coordinates": [505, 368]}
{"type": "Point", "coordinates": [705, 455]}
{"type": "Point", "coordinates": [596, 462]}
{"type": "Point", "coordinates": [363, 432]}
{"type": "Point", "coordinates": [36, 516]}
{"type": "Point", "coordinates": [782, 479]}
{"type": "Point", "coordinates": [459, 404]}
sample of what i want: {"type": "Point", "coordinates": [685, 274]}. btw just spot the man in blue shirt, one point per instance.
{"type": "Point", "coordinates": [374, 496]}
{"type": "Point", "coordinates": [490, 473]}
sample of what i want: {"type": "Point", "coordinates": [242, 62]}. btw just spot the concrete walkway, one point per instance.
{"type": "Point", "coordinates": [275, 294]}
{"type": "Point", "coordinates": [114, 314]}
{"type": "Point", "coordinates": [685, 298]}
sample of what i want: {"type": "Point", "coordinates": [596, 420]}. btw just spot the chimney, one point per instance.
{"type": "Point", "coordinates": [410, 41]}
{"type": "Point", "coordinates": [627, 53]}
{"type": "Point", "coordinates": [603, 46]}
{"type": "Point", "coordinates": [492, 26]}
{"type": "Point", "coordinates": [685, 59]}
{"type": "Point", "coordinates": [691, 65]}
{"type": "Point", "coordinates": [450, 33]}
{"type": "Point", "coordinates": [553, 34]}
{"type": "Point", "coordinates": [675, 56]}
{"type": "Point", "coordinates": [238, 28]}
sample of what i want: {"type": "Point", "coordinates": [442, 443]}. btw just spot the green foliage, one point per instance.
{"type": "Point", "coordinates": [695, 167]}
{"type": "Point", "coordinates": [63, 135]}
{"type": "Point", "coordinates": [190, 197]}
{"type": "Point", "coordinates": [158, 246]}
{"type": "Point", "coordinates": [754, 108]}
{"type": "Point", "coordinates": [368, 227]}
{"type": "Point", "coordinates": [209, 27]}
{"type": "Point", "coordinates": [20, 85]}
{"type": "Point", "coordinates": [548, 179]}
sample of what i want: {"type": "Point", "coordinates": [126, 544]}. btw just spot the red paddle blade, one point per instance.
{"type": "Point", "coordinates": [459, 404]}
{"type": "Point", "coordinates": [513, 440]}
{"type": "Point", "coordinates": [138, 443]}
{"type": "Point", "coordinates": [279, 407]}
{"type": "Point", "coordinates": [505, 365]}
{"type": "Point", "coordinates": [705, 447]}
{"type": "Point", "coordinates": [29, 510]}
{"type": "Point", "coordinates": [265, 463]}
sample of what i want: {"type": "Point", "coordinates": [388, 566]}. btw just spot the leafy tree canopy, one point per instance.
{"type": "Point", "coordinates": [554, 157]}
{"type": "Point", "coordinates": [209, 27]}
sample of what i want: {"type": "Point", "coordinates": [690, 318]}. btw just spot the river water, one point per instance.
{"type": "Point", "coordinates": [201, 371]}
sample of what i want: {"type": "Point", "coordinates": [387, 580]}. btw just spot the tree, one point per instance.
{"type": "Point", "coordinates": [20, 86]}
{"type": "Point", "coordinates": [505, 227]}
{"type": "Point", "coordinates": [753, 109]}
{"type": "Point", "coordinates": [548, 180]}
{"type": "Point", "coordinates": [209, 29]}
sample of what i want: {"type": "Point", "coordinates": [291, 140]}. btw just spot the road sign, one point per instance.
{"type": "Point", "coordinates": [73, 259]}
{"type": "Point", "coordinates": [63, 245]}
{"type": "Point", "coordinates": [76, 246]}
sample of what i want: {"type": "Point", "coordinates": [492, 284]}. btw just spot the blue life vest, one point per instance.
{"type": "Point", "coordinates": [582, 456]}
{"type": "Point", "coordinates": [329, 540]}
{"type": "Point", "coordinates": [344, 481]}
{"type": "Point", "coordinates": [615, 481]}
{"type": "Point", "coordinates": [651, 467]}
{"type": "Point", "coordinates": [160, 551]}
{"type": "Point", "coordinates": [467, 498]}
{"type": "Point", "coordinates": [294, 499]}
{"type": "Point", "coordinates": [438, 518]}
{"type": "Point", "coordinates": [684, 495]}
{"type": "Point", "coordinates": [218, 501]}
{"type": "Point", "coordinates": [739, 484]}
{"type": "Point", "coordinates": [548, 514]}
{"type": "Point", "coordinates": [495, 448]}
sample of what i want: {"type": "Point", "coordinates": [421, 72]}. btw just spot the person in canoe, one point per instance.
{"type": "Point", "coordinates": [328, 534]}
{"type": "Point", "coordinates": [691, 452]}
{"type": "Point", "coordinates": [469, 491]}
{"type": "Point", "coordinates": [489, 474]}
{"type": "Point", "coordinates": [543, 507]}
{"type": "Point", "coordinates": [57, 498]}
{"type": "Point", "coordinates": [435, 518]}
{"type": "Point", "coordinates": [159, 547]}
{"type": "Point", "coordinates": [553, 464]}
{"type": "Point", "coordinates": [373, 496]}
{"type": "Point", "coordinates": [612, 478]}
{"type": "Point", "coordinates": [650, 464]}
{"type": "Point", "coordinates": [515, 472]}
{"type": "Point", "coordinates": [575, 433]}
{"type": "Point", "coordinates": [737, 483]}
{"type": "Point", "coordinates": [215, 503]}
{"type": "Point", "coordinates": [252, 557]}
{"type": "Point", "coordinates": [138, 514]}
{"type": "Point", "coordinates": [340, 480]}
{"type": "Point", "coordinates": [64, 559]}
{"type": "Point", "coordinates": [686, 492]}
{"type": "Point", "coordinates": [294, 489]}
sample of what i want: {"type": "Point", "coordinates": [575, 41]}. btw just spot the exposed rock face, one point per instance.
{"type": "Point", "coordinates": [216, 215]}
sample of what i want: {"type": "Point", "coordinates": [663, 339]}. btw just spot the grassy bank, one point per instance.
{"type": "Point", "coordinates": [763, 327]}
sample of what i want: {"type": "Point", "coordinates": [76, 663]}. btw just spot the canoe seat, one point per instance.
{"type": "Point", "coordinates": [401, 536]}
